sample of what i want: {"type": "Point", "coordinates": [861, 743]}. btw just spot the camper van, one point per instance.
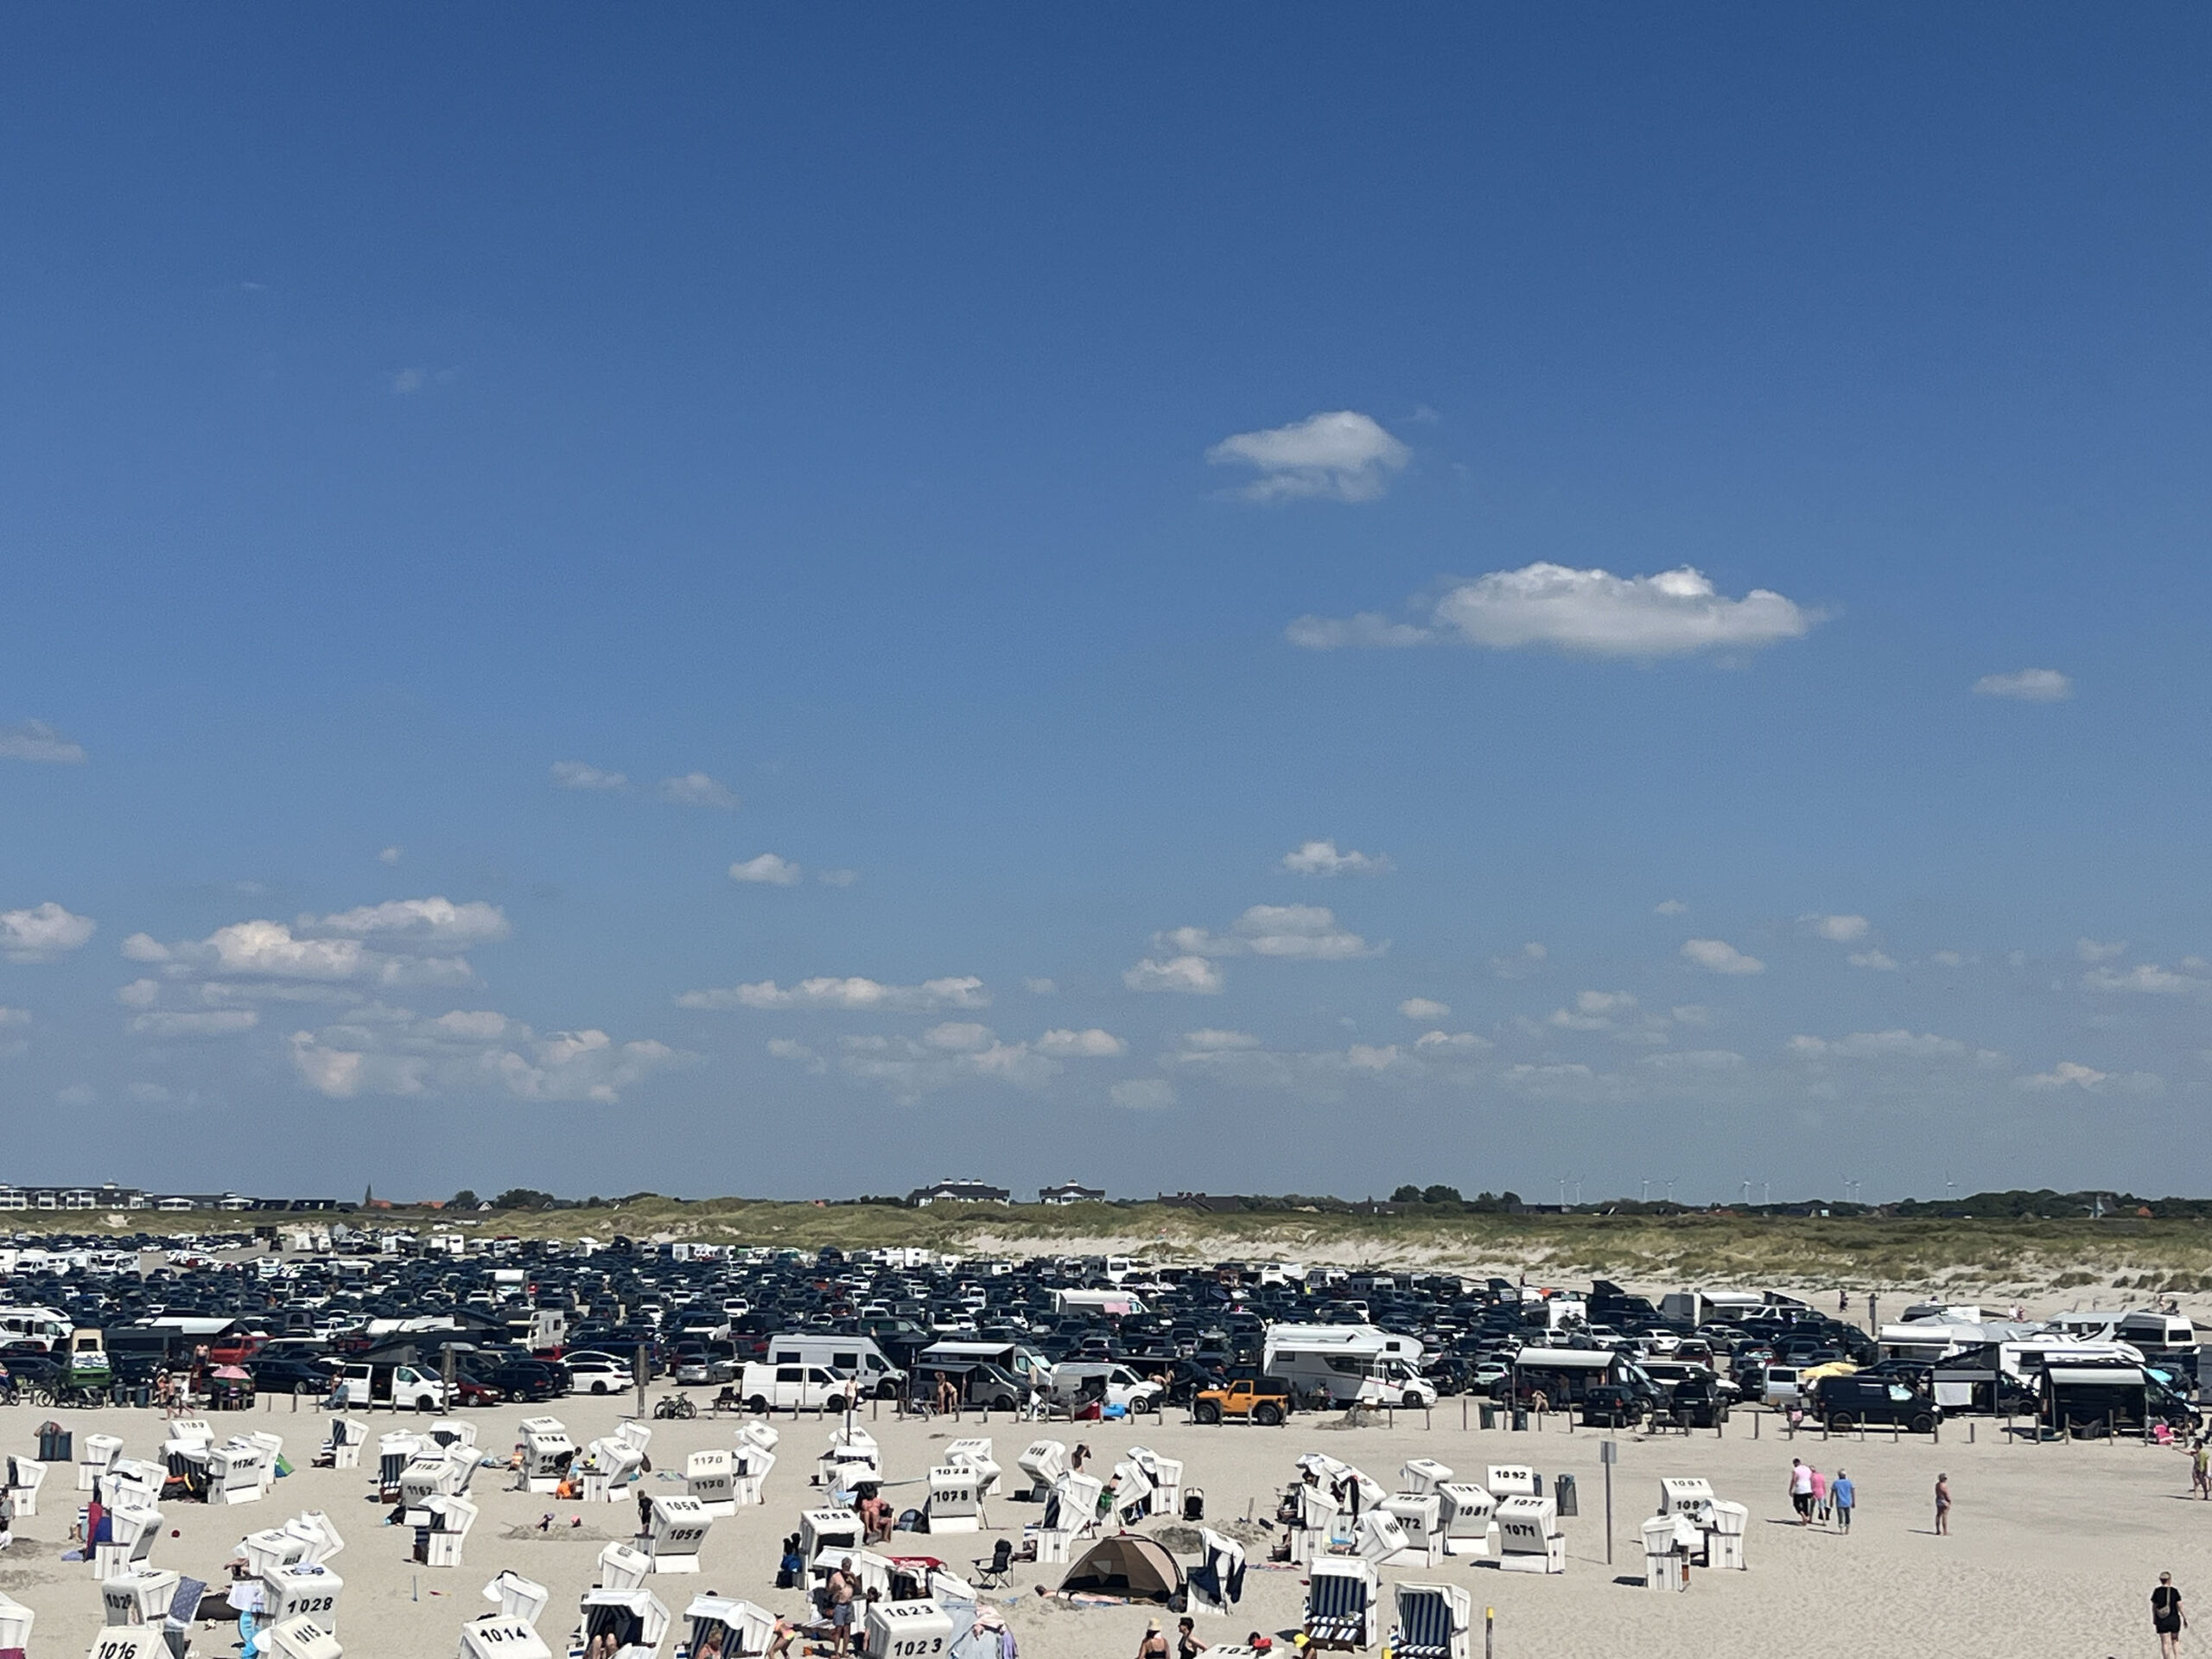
{"type": "Point", "coordinates": [1350, 1365]}
{"type": "Point", "coordinates": [794, 1388]}
{"type": "Point", "coordinates": [1020, 1360]}
{"type": "Point", "coordinates": [41, 1327]}
{"type": "Point", "coordinates": [858, 1357]}
{"type": "Point", "coordinates": [365, 1384]}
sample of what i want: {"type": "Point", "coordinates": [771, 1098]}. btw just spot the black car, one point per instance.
{"type": "Point", "coordinates": [1616, 1405]}
{"type": "Point", "coordinates": [287, 1376]}
{"type": "Point", "coordinates": [528, 1380]}
{"type": "Point", "coordinates": [1855, 1401]}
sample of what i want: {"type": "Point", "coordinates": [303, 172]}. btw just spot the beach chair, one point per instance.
{"type": "Point", "coordinates": [1340, 1599]}
{"type": "Point", "coordinates": [1433, 1621]}
{"type": "Point", "coordinates": [992, 1574]}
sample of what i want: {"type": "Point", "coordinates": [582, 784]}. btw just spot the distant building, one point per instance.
{"type": "Point", "coordinates": [1071, 1192]}
{"type": "Point", "coordinates": [968, 1191]}
{"type": "Point", "coordinates": [1212, 1203]}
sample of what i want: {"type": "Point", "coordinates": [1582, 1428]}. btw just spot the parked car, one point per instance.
{"type": "Point", "coordinates": [1857, 1402]}
{"type": "Point", "coordinates": [598, 1374]}
{"type": "Point", "coordinates": [288, 1376]}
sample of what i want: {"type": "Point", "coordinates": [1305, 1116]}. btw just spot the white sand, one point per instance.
{"type": "Point", "coordinates": [2055, 1552]}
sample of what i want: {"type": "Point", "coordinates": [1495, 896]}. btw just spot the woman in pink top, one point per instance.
{"type": "Point", "coordinates": [1821, 1496]}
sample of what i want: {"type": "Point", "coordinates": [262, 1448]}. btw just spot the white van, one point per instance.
{"type": "Point", "coordinates": [1075, 1381]}
{"type": "Point", "coordinates": [401, 1387]}
{"type": "Point", "coordinates": [794, 1388]}
{"type": "Point", "coordinates": [858, 1357]}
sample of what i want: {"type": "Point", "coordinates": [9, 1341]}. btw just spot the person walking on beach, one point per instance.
{"type": "Point", "coordinates": [1942, 1506]}
{"type": "Point", "coordinates": [1844, 1496]}
{"type": "Point", "coordinates": [1154, 1645]}
{"type": "Point", "coordinates": [2166, 1618]}
{"type": "Point", "coordinates": [1821, 1496]}
{"type": "Point", "coordinates": [1801, 1492]}
{"type": "Point", "coordinates": [2199, 1469]}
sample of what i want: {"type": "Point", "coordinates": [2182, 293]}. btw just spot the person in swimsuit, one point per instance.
{"type": "Point", "coordinates": [2166, 1620]}
{"type": "Point", "coordinates": [1188, 1645]}
{"type": "Point", "coordinates": [840, 1607]}
{"type": "Point", "coordinates": [1154, 1645]}
{"type": "Point", "coordinates": [1942, 1506]}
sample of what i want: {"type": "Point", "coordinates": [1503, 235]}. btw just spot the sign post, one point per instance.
{"type": "Point", "coordinates": [1609, 1453]}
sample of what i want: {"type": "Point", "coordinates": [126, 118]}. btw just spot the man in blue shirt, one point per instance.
{"type": "Point", "coordinates": [1843, 1495]}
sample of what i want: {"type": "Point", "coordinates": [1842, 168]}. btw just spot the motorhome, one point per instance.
{"type": "Point", "coordinates": [1351, 1364]}
{"type": "Point", "coordinates": [1696, 1307]}
{"type": "Point", "coordinates": [1115, 1302]}
{"type": "Point", "coordinates": [41, 1327]}
{"type": "Point", "coordinates": [1027, 1365]}
{"type": "Point", "coordinates": [857, 1358]}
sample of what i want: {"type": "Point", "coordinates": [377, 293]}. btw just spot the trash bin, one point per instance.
{"type": "Point", "coordinates": [142, 1395]}
{"type": "Point", "coordinates": [1563, 1495]}
{"type": "Point", "coordinates": [1520, 1420]}
{"type": "Point", "coordinates": [1489, 1416]}
{"type": "Point", "coordinates": [55, 1444]}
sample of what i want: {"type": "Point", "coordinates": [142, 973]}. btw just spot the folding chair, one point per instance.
{"type": "Point", "coordinates": [991, 1574]}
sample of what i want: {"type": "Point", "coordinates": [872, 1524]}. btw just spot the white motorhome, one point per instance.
{"type": "Point", "coordinates": [1115, 1302]}
{"type": "Point", "coordinates": [1696, 1307]}
{"type": "Point", "coordinates": [1352, 1365]}
{"type": "Point", "coordinates": [44, 1326]}
{"type": "Point", "coordinates": [858, 1357]}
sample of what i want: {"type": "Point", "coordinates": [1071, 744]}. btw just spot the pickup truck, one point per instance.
{"type": "Point", "coordinates": [1265, 1401]}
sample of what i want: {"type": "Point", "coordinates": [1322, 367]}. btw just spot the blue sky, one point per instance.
{"type": "Point", "coordinates": [1005, 484]}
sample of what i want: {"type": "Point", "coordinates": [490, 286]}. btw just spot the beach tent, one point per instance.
{"type": "Point", "coordinates": [1126, 1565]}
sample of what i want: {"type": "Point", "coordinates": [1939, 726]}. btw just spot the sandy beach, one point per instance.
{"type": "Point", "coordinates": [2054, 1552]}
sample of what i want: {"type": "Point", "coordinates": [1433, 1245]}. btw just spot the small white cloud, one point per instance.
{"type": "Point", "coordinates": [388, 856]}
{"type": "Point", "coordinates": [1193, 976]}
{"type": "Point", "coordinates": [139, 994]}
{"type": "Point", "coordinates": [1882, 1045]}
{"type": "Point", "coordinates": [1840, 930]}
{"type": "Point", "coordinates": [1421, 1007]}
{"type": "Point", "coordinates": [769, 869]}
{"type": "Point", "coordinates": [696, 788]}
{"type": "Point", "coordinates": [150, 1093]}
{"type": "Point", "coordinates": [1367, 1057]}
{"type": "Point", "coordinates": [853, 995]}
{"type": "Point", "coordinates": [435, 920]}
{"type": "Point", "coordinates": [1520, 964]}
{"type": "Point", "coordinates": [836, 878]}
{"type": "Point", "coordinates": [960, 1036]}
{"type": "Point", "coordinates": [1090, 1045]}
{"type": "Point", "coordinates": [784, 1048]}
{"type": "Point", "coordinates": [1142, 1093]}
{"type": "Point", "coordinates": [2099, 951]}
{"type": "Point", "coordinates": [36, 742]}
{"type": "Point", "coordinates": [1670, 907]}
{"type": "Point", "coordinates": [1947, 959]}
{"type": "Point", "coordinates": [1592, 613]}
{"type": "Point", "coordinates": [405, 383]}
{"type": "Point", "coordinates": [210, 1022]}
{"type": "Point", "coordinates": [1322, 858]}
{"type": "Point", "coordinates": [14, 1017]}
{"type": "Point", "coordinates": [1880, 960]}
{"type": "Point", "coordinates": [1299, 932]}
{"type": "Point", "coordinates": [1211, 1041]}
{"type": "Point", "coordinates": [1450, 1042]}
{"type": "Point", "coordinates": [574, 774]}
{"type": "Point", "coordinates": [43, 932]}
{"type": "Point", "coordinates": [1344, 455]}
{"type": "Point", "coordinates": [2067, 1074]}
{"type": "Point", "coordinates": [1041, 987]}
{"type": "Point", "coordinates": [1691, 1014]}
{"type": "Point", "coordinates": [2026, 685]}
{"type": "Point", "coordinates": [1695, 1060]}
{"type": "Point", "coordinates": [1716, 955]}
{"type": "Point", "coordinates": [2146, 979]}
{"type": "Point", "coordinates": [77, 1094]}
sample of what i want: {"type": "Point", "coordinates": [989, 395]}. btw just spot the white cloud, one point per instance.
{"type": "Point", "coordinates": [14, 1017]}
{"type": "Point", "coordinates": [1450, 1042]}
{"type": "Point", "coordinates": [576, 774]}
{"type": "Point", "coordinates": [151, 1094]}
{"type": "Point", "coordinates": [1192, 974]}
{"type": "Point", "coordinates": [696, 788]}
{"type": "Point", "coordinates": [1322, 858]}
{"type": "Point", "coordinates": [836, 878]}
{"type": "Point", "coordinates": [43, 932]}
{"type": "Point", "coordinates": [210, 1022]}
{"type": "Point", "coordinates": [1301, 933]}
{"type": "Point", "coordinates": [1093, 1044]}
{"type": "Point", "coordinates": [2146, 979]}
{"type": "Point", "coordinates": [2026, 685]}
{"type": "Point", "coordinates": [1366, 1057]}
{"type": "Point", "coordinates": [784, 1048]}
{"type": "Point", "coordinates": [390, 856]}
{"type": "Point", "coordinates": [1695, 1060]}
{"type": "Point", "coordinates": [767, 869]}
{"type": "Point", "coordinates": [1948, 959]}
{"type": "Point", "coordinates": [1519, 966]}
{"type": "Point", "coordinates": [1670, 908]}
{"type": "Point", "coordinates": [1593, 1011]}
{"type": "Point", "coordinates": [1040, 987]}
{"type": "Point", "coordinates": [1882, 961]}
{"type": "Point", "coordinates": [435, 920]}
{"type": "Point", "coordinates": [77, 1094]}
{"type": "Point", "coordinates": [35, 741]}
{"type": "Point", "coordinates": [2099, 951]}
{"type": "Point", "coordinates": [1343, 455]}
{"type": "Point", "coordinates": [1211, 1041]}
{"type": "Point", "coordinates": [1592, 612]}
{"type": "Point", "coordinates": [399, 1053]}
{"type": "Point", "coordinates": [1421, 1007]}
{"type": "Point", "coordinates": [1142, 1093]}
{"type": "Point", "coordinates": [2068, 1074]}
{"type": "Point", "coordinates": [853, 995]}
{"type": "Point", "coordinates": [1897, 1045]}
{"type": "Point", "coordinates": [1717, 957]}
{"type": "Point", "coordinates": [961, 1037]}
{"type": "Point", "coordinates": [1840, 930]}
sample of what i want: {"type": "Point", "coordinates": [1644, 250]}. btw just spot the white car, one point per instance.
{"type": "Point", "coordinates": [598, 1374]}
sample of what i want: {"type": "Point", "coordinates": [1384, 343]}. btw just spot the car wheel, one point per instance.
{"type": "Point", "coordinates": [1207, 1411]}
{"type": "Point", "coordinates": [1841, 1422]}
{"type": "Point", "coordinates": [886, 1390]}
{"type": "Point", "coordinates": [758, 1404]}
{"type": "Point", "coordinates": [1004, 1403]}
{"type": "Point", "coordinates": [1267, 1414]}
{"type": "Point", "coordinates": [1924, 1424]}
{"type": "Point", "coordinates": [598, 1387]}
